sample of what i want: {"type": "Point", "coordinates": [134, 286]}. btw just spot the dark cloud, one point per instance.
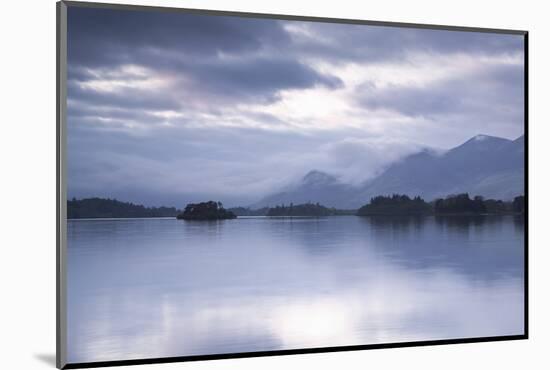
{"type": "Point", "coordinates": [361, 43]}
{"type": "Point", "coordinates": [217, 55]}
{"type": "Point", "coordinates": [105, 36]}
{"type": "Point", "coordinates": [99, 37]}
{"type": "Point", "coordinates": [258, 77]}
{"type": "Point", "coordinates": [226, 58]}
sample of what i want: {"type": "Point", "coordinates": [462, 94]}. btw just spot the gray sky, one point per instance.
{"type": "Point", "coordinates": [167, 108]}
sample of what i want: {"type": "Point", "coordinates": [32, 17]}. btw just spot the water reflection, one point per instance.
{"type": "Point", "coordinates": [155, 288]}
{"type": "Point", "coordinates": [483, 247]}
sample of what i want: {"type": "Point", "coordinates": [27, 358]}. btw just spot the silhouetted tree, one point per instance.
{"type": "Point", "coordinates": [205, 211]}
{"type": "Point", "coordinates": [245, 211]}
{"type": "Point", "coordinates": [395, 205]}
{"type": "Point", "coordinates": [112, 208]}
{"type": "Point", "coordinates": [460, 203]}
{"type": "Point", "coordinates": [519, 204]}
{"type": "Point", "coordinates": [306, 209]}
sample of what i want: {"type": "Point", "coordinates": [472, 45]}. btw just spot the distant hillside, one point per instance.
{"type": "Point", "coordinates": [488, 166]}
{"type": "Point", "coordinates": [112, 208]}
{"type": "Point", "coordinates": [484, 165]}
{"type": "Point", "coordinates": [316, 186]}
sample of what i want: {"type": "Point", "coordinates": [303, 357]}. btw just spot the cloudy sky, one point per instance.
{"type": "Point", "coordinates": [167, 108]}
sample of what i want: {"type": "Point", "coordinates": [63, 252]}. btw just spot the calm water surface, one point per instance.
{"type": "Point", "coordinates": [140, 288]}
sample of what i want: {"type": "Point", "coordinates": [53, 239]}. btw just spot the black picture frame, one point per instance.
{"type": "Point", "coordinates": [61, 195]}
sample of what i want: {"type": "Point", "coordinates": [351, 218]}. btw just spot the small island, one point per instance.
{"type": "Point", "coordinates": [205, 211]}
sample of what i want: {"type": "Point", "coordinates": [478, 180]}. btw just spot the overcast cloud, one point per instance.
{"type": "Point", "coordinates": [167, 108]}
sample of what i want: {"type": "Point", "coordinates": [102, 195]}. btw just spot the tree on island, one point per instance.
{"type": "Point", "coordinates": [112, 208]}
{"type": "Point", "coordinates": [452, 204]}
{"type": "Point", "coordinates": [519, 204]}
{"type": "Point", "coordinates": [306, 209]}
{"type": "Point", "coordinates": [494, 206]}
{"type": "Point", "coordinates": [395, 205]}
{"type": "Point", "coordinates": [460, 204]}
{"type": "Point", "coordinates": [205, 211]}
{"type": "Point", "coordinates": [246, 211]}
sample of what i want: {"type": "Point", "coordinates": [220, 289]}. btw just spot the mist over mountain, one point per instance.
{"type": "Point", "coordinates": [315, 186]}
{"type": "Point", "coordinates": [484, 165]}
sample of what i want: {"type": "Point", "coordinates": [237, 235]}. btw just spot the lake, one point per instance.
{"type": "Point", "coordinates": [142, 288]}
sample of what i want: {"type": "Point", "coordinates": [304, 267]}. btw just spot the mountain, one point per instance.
{"type": "Point", "coordinates": [484, 165]}
{"type": "Point", "coordinates": [315, 186]}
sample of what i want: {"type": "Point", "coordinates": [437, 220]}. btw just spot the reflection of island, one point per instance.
{"type": "Point", "coordinates": [445, 241]}
{"type": "Point", "coordinates": [205, 211]}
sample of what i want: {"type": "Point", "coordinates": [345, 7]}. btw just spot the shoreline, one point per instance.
{"type": "Point", "coordinates": [298, 217]}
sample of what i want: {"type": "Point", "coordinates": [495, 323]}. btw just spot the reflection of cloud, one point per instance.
{"type": "Point", "coordinates": [396, 307]}
{"type": "Point", "coordinates": [314, 322]}
{"type": "Point", "coordinates": [249, 285]}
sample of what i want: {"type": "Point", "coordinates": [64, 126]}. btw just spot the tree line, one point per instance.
{"type": "Point", "coordinates": [395, 204]}
{"type": "Point", "coordinates": [247, 211]}
{"type": "Point", "coordinates": [306, 209]}
{"type": "Point", "coordinates": [112, 208]}
{"type": "Point", "coordinates": [205, 211]}
{"type": "Point", "coordinates": [453, 204]}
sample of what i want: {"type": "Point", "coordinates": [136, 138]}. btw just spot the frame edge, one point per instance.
{"type": "Point", "coordinates": [61, 194]}
{"type": "Point", "coordinates": [290, 17]}
{"type": "Point", "coordinates": [526, 182]}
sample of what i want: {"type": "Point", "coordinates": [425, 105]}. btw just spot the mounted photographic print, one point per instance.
{"type": "Point", "coordinates": [235, 184]}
